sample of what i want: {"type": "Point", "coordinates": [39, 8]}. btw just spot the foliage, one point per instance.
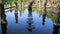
{"type": "Point", "coordinates": [50, 15]}
{"type": "Point", "coordinates": [58, 1]}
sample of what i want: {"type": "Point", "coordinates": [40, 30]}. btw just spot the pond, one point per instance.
{"type": "Point", "coordinates": [25, 22]}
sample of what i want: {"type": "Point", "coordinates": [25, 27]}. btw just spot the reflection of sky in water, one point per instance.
{"type": "Point", "coordinates": [39, 28]}
{"type": "Point", "coordinates": [14, 28]}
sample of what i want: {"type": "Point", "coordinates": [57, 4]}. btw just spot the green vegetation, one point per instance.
{"type": "Point", "coordinates": [51, 15]}
{"type": "Point", "coordinates": [26, 2]}
{"type": "Point", "coordinates": [58, 1]}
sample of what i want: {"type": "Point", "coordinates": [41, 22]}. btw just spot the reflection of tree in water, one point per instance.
{"type": "Point", "coordinates": [22, 7]}
{"type": "Point", "coordinates": [16, 16]}
{"type": "Point", "coordinates": [1, 8]}
{"type": "Point", "coordinates": [57, 24]}
{"type": "Point", "coordinates": [56, 29]}
{"type": "Point", "coordinates": [30, 5]}
{"type": "Point", "coordinates": [21, 11]}
{"type": "Point", "coordinates": [16, 5]}
{"type": "Point", "coordinates": [3, 24]}
{"type": "Point", "coordinates": [3, 19]}
{"type": "Point", "coordinates": [39, 11]}
{"type": "Point", "coordinates": [10, 9]}
{"type": "Point", "coordinates": [30, 26]}
{"type": "Point", "coordinates": [10, 6]}
{"type": "Point", "coordinates": [44, 16]}
{"type": "Point", "coordinates": [43, 19]}
{"type": "Point", "coordinates": [57, 18]}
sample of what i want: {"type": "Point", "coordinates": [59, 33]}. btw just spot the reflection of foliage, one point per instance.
{"type": "Point", "coordinates": [6, 1]}
{"type": "Point", "coordinates": [20, 1]}
{"type": "Point", "coordinates": [59, 17]}
{"type": "Point", "coordinates": [11, 1]}
{"type": "Point", "coordinates": [58, 1]}
{"type": "Point", "coordinates": [50, 15]}
{"type": "Point", "coordinates": [40, 12]}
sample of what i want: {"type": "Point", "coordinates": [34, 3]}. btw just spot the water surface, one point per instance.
{"type": "Point", "coordinates": [25, 22]}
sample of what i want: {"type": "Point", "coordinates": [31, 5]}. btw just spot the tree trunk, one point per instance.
{"type": "Point", "coordinates": [10, 4]}
{"type": "Point", "coordinates": [1, 8]}
{"type": "Point", "coordinates": [3, 19]}
{"type": "Point", "coordinates": [2, 12]}
{"type": "Point", "coordinates": [16, 5]}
